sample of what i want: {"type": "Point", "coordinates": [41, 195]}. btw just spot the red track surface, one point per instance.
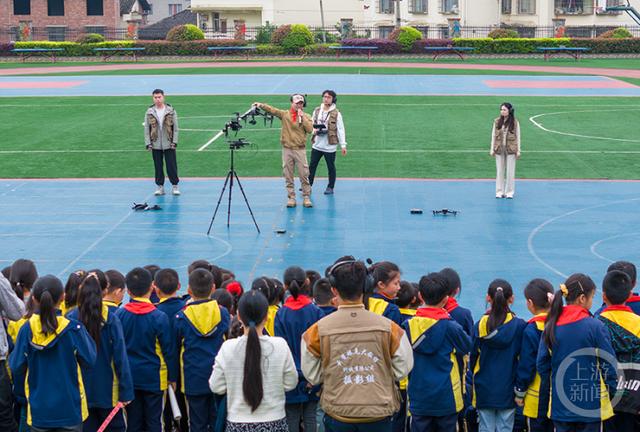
{"type": "Point", "coordinates": [623, 73]}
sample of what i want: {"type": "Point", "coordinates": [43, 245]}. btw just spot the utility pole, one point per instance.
{"type": "Point", "coordinates": [398, 21]}
{"type": "Point", "coordinates": [324, 34]}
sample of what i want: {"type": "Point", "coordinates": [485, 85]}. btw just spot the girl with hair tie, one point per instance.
{"type": "Point", "coordinates": [505, 147]}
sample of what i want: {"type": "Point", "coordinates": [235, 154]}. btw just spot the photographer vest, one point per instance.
{"type": "Point", "coordinates": [331, 122]}
{"type": "Point", "coordinates": [167, 124]}
{"type": "Point", "coordinates": [511, 138]}
{"type": "Point", "coordinates": [355, 347]}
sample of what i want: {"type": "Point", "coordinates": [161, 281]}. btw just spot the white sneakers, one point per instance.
{"type": "Point", "coordinates": [160, 190]}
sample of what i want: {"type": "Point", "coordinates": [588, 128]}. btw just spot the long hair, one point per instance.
{"type": "Point", "coordinates": [539, 291]}
{"type": "Point", "coordinates": [47, 291]}
{"type": "Point", "coordinates": [22, 276]}
{"type": "Point", "coordinates": [90, 304]}
{"type": "Point", "coordinates": [576, 285]}
{"type": "Point", "coordinates": [252, 310]}
{"type": "Point", "coordinates": [72, 287]}
{"type": "Point", "coordinates": [510, 119]}
{"type": "Point", "coordinates": [500, 291]}
{"type": "Point", "coordinates": [294, 278]}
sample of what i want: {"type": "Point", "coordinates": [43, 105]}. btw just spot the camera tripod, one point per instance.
{"type": "Point", "coordinates": [231, 175]}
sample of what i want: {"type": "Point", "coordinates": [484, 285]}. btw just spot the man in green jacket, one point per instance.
{"type": "Point", "coordinates": [296, 126]}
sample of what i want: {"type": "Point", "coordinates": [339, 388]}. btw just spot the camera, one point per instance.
{"type": "Point", "coordinates": [320, 128]}
{"type": "Point", "coordinates": [239, 143]}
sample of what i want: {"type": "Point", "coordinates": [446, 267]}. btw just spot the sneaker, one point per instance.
{"type": "Point", "coordinates": [307, 202]}
{"type": "Point", "coordinates": [509, 196]}
{"type": "Point", "coordinates": [159, 190]}
{"type": "Point", "coordinates": [175, 190]}
{"type": "Point", "coordinates": [328, 191]}
{"type": "Point", "coordinates": [291, 202]}
{"type": "Point", "coordinates": [499, 196]}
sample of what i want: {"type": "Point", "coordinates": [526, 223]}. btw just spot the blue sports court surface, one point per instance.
{"type": "Point", "coordinates": [551, 228]}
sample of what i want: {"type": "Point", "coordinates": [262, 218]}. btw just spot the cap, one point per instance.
{"type": "Point", "coordinates": [296, 98]}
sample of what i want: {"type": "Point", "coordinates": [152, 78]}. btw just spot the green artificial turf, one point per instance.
{"type": "Point", "coordinates": [421, 137]}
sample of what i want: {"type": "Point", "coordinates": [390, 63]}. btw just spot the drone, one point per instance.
{"type": "Point", "coordinates": [250, 116]}
{"type": "Point", "coordinates": [445, 212]}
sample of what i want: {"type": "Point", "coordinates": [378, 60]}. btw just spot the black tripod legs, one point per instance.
{"type": "Point", "coordinates": [229, 181]}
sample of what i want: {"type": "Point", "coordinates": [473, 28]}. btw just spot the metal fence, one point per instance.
{"type": "Point", "coordinates": [331, 34]}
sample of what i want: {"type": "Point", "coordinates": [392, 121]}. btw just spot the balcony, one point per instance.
{"type": "Point", "coordinates": [573, 7]}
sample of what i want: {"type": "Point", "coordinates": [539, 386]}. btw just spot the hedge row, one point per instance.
{"type": "Point", "coordinates": [385, 46]}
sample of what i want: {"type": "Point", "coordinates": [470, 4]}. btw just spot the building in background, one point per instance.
{"type": "Point", "coordinates": [161, 9]}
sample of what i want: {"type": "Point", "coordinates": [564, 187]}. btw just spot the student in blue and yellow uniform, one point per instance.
{"type": "Point", "coordinates": [435, 388]}
{"type": "Point", "coordinates": [323, 297]}
{"type": "Point", "coordinates": [531, 393]}
{"type": "Point", "coordinates": [267, 286]}
{"type": "Point", "coordinates": [200, 328]}
{"type": "Point", "coordinates": [624, 327]}
{"type": "Point", "coordinates": [386, 284]}
{"type": "Point", "coordinates": [109, 380]}
{"type": "Point", "coordinates": [114, 293]}
{"type": "Point", "coordinates": [408, 300]}
{"type": "Point", "coordinates": [294, 318]}
{"type": "Point", "coordinates": [49, 351]}
{"type": "Point", "coordinates": [494, 358]}
{"type": "Point", "coordinates": [568, 329]}
{"type": "Point", "coordinates": [151, 353]}
{"type": "Point", "coordinates": [71, 289]}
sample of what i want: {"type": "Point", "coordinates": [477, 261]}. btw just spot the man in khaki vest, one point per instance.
{"type": "Point", "coordinates": [296, 125]}
{"type": "Point", "coordinates": [357, 356]}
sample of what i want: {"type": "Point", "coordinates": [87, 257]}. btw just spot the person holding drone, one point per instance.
{"type": "Point", "coordinates": [296, 125]}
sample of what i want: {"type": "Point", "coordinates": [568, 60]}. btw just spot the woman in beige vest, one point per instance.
{"type": "Point", "coordinates": [505, 147]}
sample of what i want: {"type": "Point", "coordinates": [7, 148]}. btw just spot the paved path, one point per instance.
{"type": "Point", "coordinates": [576, 70]}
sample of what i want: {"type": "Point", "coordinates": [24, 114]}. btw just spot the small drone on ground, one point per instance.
{"type": "Point", "coordinates": [445, 212]}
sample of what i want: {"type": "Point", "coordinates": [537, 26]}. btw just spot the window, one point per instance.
{"type": "Point", "coordinates": [573, 7]}
{"type": "Point", "coordinates": [386, 6]}
{"type": "Point", "coordinates": [95, 7]}
{"type": "Point", "coordinates": [55, 7]}
{"type": "Point", "coordinates": [216, 22]}
{"type": "Point", "coordinates": [174, 8]}
{"type": "Point", "coordinates": [506, 7]}
{"type": "Point", "coordinates": [527, 7]}
{"type": "Point", "coordinates": [385, 31]}
{"type": "Point", "coordinates": [418, 6]}
{"type": "Point", "coordinates": [449, 6]}
{"type": "Point", "coordinates": [22, 7]}
{"type": "Point", "coordinates": [57, 34]}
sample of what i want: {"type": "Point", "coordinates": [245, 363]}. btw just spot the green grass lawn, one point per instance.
{"type": "Point", "coordinates": [422, 137]}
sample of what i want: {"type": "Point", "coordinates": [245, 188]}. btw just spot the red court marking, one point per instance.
{"type": "Point", "coordinates": [40, 85]}
{"type": "Point", "coordinates": [574, 84]}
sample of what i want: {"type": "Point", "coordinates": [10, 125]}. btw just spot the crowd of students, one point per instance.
{"type": "Point", "coordinates": [235, 359]}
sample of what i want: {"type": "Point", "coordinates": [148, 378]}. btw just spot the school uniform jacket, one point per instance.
{"type": "Point", "coordinates": [460, 314]}
{"type": "Point", "coordinates": [407, 314]}
{"type": "Point", "coordinates": [150, 348]}
{"type": "Point", "coordinates": [271, 319]}
{"type": "Point", "coordinates": [201, 328]}
{"type": "Point", "coordinates": [327, 310]}
{"type": "Point", "coordinates": [292, 320]}
{"type": "Point", "coordinates": [494, 359]}
{"type": "Point", "coordinates": [633, 303]}
{"type": "Point", "coordinates": [113, 306]}
{"type": "Point", "coordinates": [51, 363]}
{"type": "Point", "coordinates": [380, 305]}
{"type": "Point", "coordinates": [435, 388]}
{"type": "Point", "coordinates": [586, 375]}
{"type": "Point", "coordinates": [109, 380]}
{"type": "Point", "coordinates": [528, 383]}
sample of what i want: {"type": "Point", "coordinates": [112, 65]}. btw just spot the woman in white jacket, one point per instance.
{"type": "Point", "coordinates": [254, 371]}
{"type": "Point", "coordinates": [505, 147]}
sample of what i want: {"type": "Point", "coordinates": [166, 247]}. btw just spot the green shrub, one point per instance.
{"type": "Point", "coordinates": [90, 38]}
{"type": "Point", "coordinates": [619, 33]}
{"type": "Point", "coordinates": [501, 33]}
{"type": "Point", "coordinates": [264, 34]}
{"type": "Point", "coordinates": [329, 37]}
{"type": "Point", "coordinates": [510, 46]}
{"type": "Point", "coordinates": [187, 32]}
{"type": "Point", "coordinates": [405, 37]}
{"type": "Point", "coordinates": [299, 37]}
{"type": "Point", "coordinates": [280, 33]}
{"type": "Point", "coordinates": [269, 49]}
{"type": "Point", "coordinates": [74, 49]}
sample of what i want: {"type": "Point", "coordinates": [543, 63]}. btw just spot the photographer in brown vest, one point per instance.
{"type": "Point", "coordinates": [357, 356]}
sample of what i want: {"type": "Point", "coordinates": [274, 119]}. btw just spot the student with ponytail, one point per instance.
{"type": "Point", "coordinates": [254, 371]}
{"type": "Point", "coordinates": [22, 276]}
{"type": "Point", "coordinates": [50, 351]}
{"type": "Point", "coordinates": [292, 320]}
{"type": "Point", "coordinates": [530, 392]}
{"type": "Point", "coordinates": [386, 284]}
{"type": "Point", "coordinates": [109, 380]}
{"type": "Point", "coordinates": [71, 290]}
{"type": "Point", "coordinates": [494, 358]}
{"type": "Point", "coordinates": [268, 287]}
{"type": "Point", "coordinates": [568, 331]}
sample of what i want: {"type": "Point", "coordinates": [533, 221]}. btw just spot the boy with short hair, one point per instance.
{"type": "Point", "coordinates": [623, 326]}
{"type": "Point", "coordinates": [150, 350]}
{"type": "Point", "coordinates": [115, 290]}
{"type": "Point", "coordinates": [200, 328]}
{"type": "Point", "coordinates": [435, 388]}
{"type": "Point", "coordinates": [323, 297]}
{"type": "Point", "coordinates": [166, 284]}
